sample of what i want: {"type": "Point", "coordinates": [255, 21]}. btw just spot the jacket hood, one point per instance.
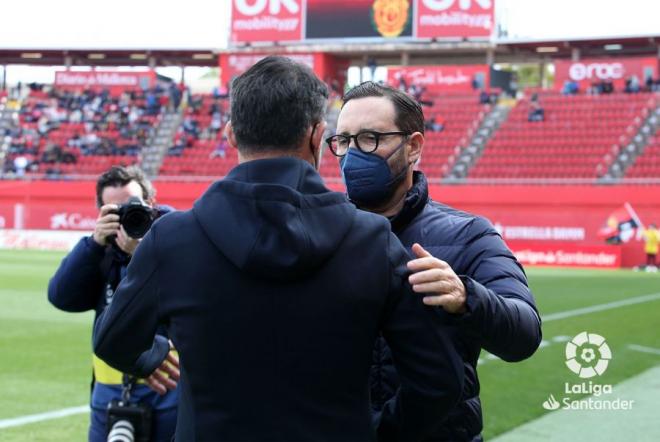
{"type": "Point", "coordinates": [274, 218]}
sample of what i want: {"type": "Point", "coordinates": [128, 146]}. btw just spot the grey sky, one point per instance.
{"type": "Point", "coordinates": [203, 24]}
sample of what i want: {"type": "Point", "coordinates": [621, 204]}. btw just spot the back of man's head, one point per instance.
{"type": "Point", "coordinates": [274, 103]}
{"type": "Point", "coordinates": [409, 116]}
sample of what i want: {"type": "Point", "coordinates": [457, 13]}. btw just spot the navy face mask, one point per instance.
{"type": "Point", "coordinates": [368, 178]}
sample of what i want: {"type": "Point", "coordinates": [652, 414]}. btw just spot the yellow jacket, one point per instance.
{"type": "Point", "coordinates": [652, 237]}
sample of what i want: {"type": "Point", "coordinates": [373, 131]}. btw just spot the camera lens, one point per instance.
{"type": "Point", "coordinates": [136, 217]}
{"type": "Point", "coordinates": [122, 431]}
{"type": "Point", "coordinates": [137, 221]}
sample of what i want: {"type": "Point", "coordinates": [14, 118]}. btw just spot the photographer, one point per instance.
{"type": "Point", "coordinates": [87, 279]}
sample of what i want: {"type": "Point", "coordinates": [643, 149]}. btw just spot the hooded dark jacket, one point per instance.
{"type": "Point", "coordinates": [501, 317]}
{"type": "Point", "coordinates": [274, 290]}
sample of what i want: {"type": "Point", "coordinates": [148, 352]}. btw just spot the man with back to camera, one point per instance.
{"type": "Point", "coordinates": [482, 289]}
{"type": "Point", "coordinates": [287, 285]}
{"type": "Point", "coordinates": [86, 280]}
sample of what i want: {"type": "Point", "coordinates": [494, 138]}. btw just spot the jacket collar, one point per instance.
{"type": "Point", "coordinates": [416, 199]}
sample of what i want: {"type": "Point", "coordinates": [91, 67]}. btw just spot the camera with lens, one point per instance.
{"type": "Point", "coordinates": [128, 422]}
{"type": "Point", "coordinates": [136, 217]}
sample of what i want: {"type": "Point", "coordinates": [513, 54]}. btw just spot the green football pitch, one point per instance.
{"type": "Point", "coordinates": [45, 362]}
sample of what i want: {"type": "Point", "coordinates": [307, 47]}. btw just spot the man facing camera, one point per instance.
{"type": "Point", "coordinates": [274, 290]}
{"type": "Point", "coordinates": [478, 285]}
{"type": "Point", "coordinates": [87, 279]}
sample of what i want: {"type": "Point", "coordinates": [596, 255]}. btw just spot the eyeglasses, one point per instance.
{"type": "Point", "coordinates": [367, 141]}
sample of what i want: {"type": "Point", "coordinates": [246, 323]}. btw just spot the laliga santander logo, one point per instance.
{"type": "Point", "coordinates": [274, 6]}
{"type": "Point", "coordinates": [601, 71]}
{"type": "Point", "coordinates": [442, 5]}
{"type": "Point", "coordinates": [588, 355]}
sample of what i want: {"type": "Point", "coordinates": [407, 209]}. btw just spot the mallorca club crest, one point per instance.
{"type": "Point", "coordinates": [390, 17]}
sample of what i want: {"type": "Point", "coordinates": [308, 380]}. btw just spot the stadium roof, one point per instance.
{"type": "Point", "coordinates": [111, 57]}
{"type": "Point", "coordinates": [588, 47]}
{"type": "Point", "coordinates": [415, 52]}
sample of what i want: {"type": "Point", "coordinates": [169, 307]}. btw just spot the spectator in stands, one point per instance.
{"type": "Point", "coordinates": [536, 112]}
{"type": "Point", "coordinates": [20, 165]}
{"type": "Point", "coordinates": [175, 96]}
{"type": "Point", "coordinates": [52, 154]}
{"type": "Point", "coordinates": [191, 127]}
{"type": "Point", "coordinates": [153, 104]}
{"type": "Point", "coordinates": [570, 88]}
{"type": "Point", "coordinates": [632, 84]}
{"type": "Point", "coordinates": [403, 85]}
{"type": "Point", "coordinates": [476, 83]}
{"type": "Point", "coordinates": [478, 282]}
{"type": "Point", "coordinates": [177, 149]}
{"type": "Point", "coordinates": [275, 330]}
{"type": "Point", "coordinates": [164, 103]}
{"type": "Point", "coordinates": [648, 83]}
{"type": "Point", "coordinates": [86, 280]}
{"type": "Point", "coordinates": [604, 87]}
{"type": "Point", "coordinates": [220, 149]}
{"type": "Point", "coordinates": [484, 97]}
{"type": "Point", "coordinates": [433, 125]}
{"type": "Point", "coordinates": [216, 123]}
{"type": "Point", "coordinates": [651, 241]}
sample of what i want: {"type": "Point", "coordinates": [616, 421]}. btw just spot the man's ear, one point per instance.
{"type": "Point", "coordinates": [231, 137]}
{"type": "Point", "coordinates": [415, 147]}
{"type": "Point", "coordinates": [317, 136]}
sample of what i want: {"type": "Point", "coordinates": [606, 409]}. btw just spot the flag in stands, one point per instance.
{"type": "Point", "coordinates": [621, 225]}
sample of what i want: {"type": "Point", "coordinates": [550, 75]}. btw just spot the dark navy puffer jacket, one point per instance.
{"type": "Point", "coordinates": [501, 318]}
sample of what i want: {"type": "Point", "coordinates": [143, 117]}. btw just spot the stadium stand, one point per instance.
{"type": "Point", "coordinates": [61, 133]}
{"type": "Point", "coordinates": [647, 164]}
{"type": "Point", "coordinates": [64, 135]}
{"type": "Point", "coordinates": [461, 115]}
{"type": "Point", "coordinates": [576, 138]}
{"type": "Point", "coordinates": [199, 148]}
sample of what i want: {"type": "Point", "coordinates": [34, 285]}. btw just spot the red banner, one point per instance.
{"type": "Point", "coordinates": [266, 20]}
{"type": "Point", "coordinates": [616, 70]}
{"type": "Point", "coordinates": [561, 222]}
{"type": "Point", "coordinates": [233, 65]}
{"type": "Point", "coordinates": [455, 18]}
{"type": "Point", "coordinates": [68, 216]}
{"type": "Point", "coordinates": [441, 78]}
{"type": "Point", "coordinates": [567, 255]}
{"type": "Point", "coordinates": [326, 66]}
{"type": "Point", "coordinates": [112, 80]}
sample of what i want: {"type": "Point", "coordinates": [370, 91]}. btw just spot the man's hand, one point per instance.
{"type": "Point", "coordinates": [434, 276]}
{"type": "Point", "coordinates": [107, 224]}
{"type": "Point", "coordinates": [125, 242]}
{"type": "Point", "coordinates": [166, 376]}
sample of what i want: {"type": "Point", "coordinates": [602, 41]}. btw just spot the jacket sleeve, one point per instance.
{"type": "Point", "coordinates": [78, 282]}
{"type": "Point", "coordinates": [429, 367]}
{"type": "Point", "coordinates": [501, 313]}
{"type": "Point", "coordinates": [125, 333]}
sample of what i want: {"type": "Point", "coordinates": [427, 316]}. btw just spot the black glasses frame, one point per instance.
{"type": "Point", "coordinates": [347, 138]}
